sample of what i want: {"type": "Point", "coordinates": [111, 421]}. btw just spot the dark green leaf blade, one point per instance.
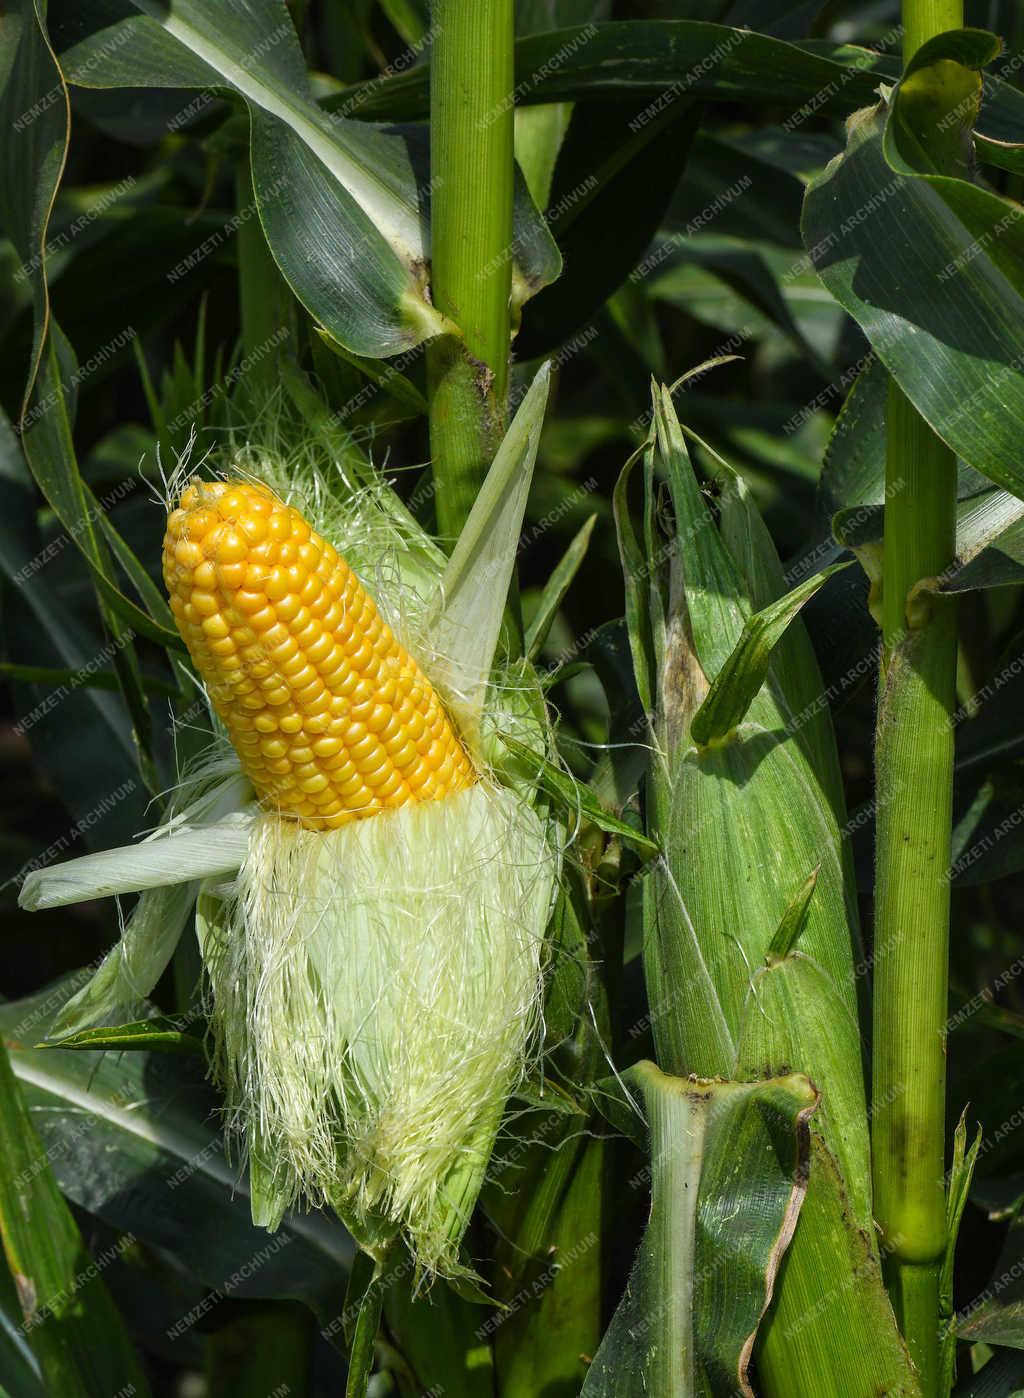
{"type": "Point", "coordinates": [72, 1324]}
{"type": "Point", "coordinates": [883, 238]}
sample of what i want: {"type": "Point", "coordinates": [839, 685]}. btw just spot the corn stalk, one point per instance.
{"type": "Point", "coordinates": [472, 166]}
{"type": "Point", "coordinates": [914, 754]}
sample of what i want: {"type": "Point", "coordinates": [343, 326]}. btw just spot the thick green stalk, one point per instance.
{"type": "Point", "coordinates": [914, 794]}
{"type": "Point", "coordinates": [472, 167]}
{"type": "Point", "coordinates": [923, 19]}
{"type": "Point", "coordinates": [914, 754]}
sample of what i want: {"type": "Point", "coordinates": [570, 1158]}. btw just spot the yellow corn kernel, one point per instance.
{"type": "Point", "coordinates": [331, 717]}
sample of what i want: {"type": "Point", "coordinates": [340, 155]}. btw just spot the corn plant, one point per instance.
{"type": "Point", "coordinates": [512, 610]}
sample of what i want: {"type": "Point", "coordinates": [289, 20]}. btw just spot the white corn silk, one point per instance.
{"type": "Point", "coordinates": [377, 988]}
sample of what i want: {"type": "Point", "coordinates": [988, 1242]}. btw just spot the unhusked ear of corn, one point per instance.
{"type": "Point", "coordinates": [330, 716]}
{"type": "Point", "coordinates": [376, 964]}
{"type": "Point", "coordinates": [373, 929]}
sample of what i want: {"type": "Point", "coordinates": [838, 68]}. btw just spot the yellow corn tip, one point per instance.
{"type": "Point", "coordinates": [331, 717]}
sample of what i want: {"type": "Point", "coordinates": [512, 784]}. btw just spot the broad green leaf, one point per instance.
{"type": "Point", "coordinates": [989, 541]}
{"type": "Point", "coordinates": [997, 1315]}
{"type": "Point", "coordinates": [133, 1139]}
{"type": "Point", "coordinates": [71, 1323]}
{"type": "Point", "coordinates": [727, 1181]}
{"type": "Point", "coordinates": [657, 62]}
{"type": "Point", "coordinates": [884, 237]}
{"type": "Point", "coordinates": [363, 275]}
{"type": "Point", "coordinates": [735, 686]}
{"type": "Point", "coordinates": [31, 171]}
{"type": "Point", "coordinates": [612, 186]}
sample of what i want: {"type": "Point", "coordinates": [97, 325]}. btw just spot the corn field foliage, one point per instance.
{"type": "Point", "coordinates": [512, 628]}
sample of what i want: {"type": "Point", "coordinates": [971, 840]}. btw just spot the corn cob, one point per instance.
{"type": "Point", "coordinates": [331, 717]}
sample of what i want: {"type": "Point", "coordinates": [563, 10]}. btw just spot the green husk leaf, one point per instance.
{"type": "Point", "coordinates": [734, 687]}
{"type": "Point", "coordinates": [832, 1317]}
{"type": "Point", "coordinates": [796, 1017]}
{"type": "Point", "coordinates": [181, 857]}
{"type": "Point", "coordinates": [466, 617]}
{"type": "Point", "coordinates": [728, 1165]}
{"type": "Point", "coordinates": [793, 921]}
{"type": "Point", "coordinates": [555, 588]}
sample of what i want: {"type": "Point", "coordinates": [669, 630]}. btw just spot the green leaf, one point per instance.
{"type": "Point", "coordinates": [793, 921]}
{"type": "Point", "coordinates": [575, 800]}
{"type": "Point", "coordinates": [727, 1181]}
{"type": "Point", "coordinates": [72, 1325]}
{"type": "Point", "coordinates": [364, 1301]}
{"type": "Point", "coordinates": [663, 60]}
{"type": "Point", "coordinates": [735, 686]}
{"type": "Point", "coordinates": [997, 1314]}
{"type": "Point", "coordinates": [883, 237]}
{"type": "Point", "coordinates": [552, 1262]}
{"type": "Point", "coordinates": [363, 274]}
{"type": "Point", "coordinates": [961, 1172]}
{"type": "Point", "coordinates": [160, 1034]}
{"type": "Point", "coordinates": [989, 541]}
{"type": "Point", "coordinates": [555, 588]}
{"type": "Point", "coordinates": [150, 1161]}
